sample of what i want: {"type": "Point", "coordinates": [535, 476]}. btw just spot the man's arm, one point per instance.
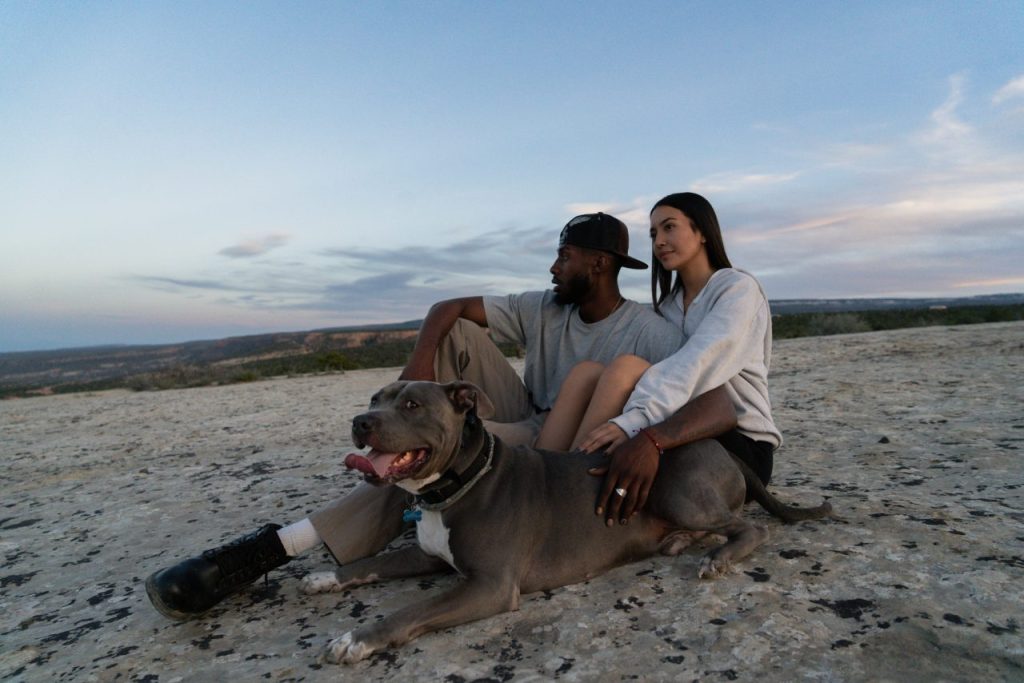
{"type": "Point", "coordinates": [634, 463]}
{"type": "Point", "coordinates": [439, 322]}
{"type": "Point", "coordinates": [708, 415]}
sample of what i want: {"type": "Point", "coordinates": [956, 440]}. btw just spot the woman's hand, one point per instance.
{"type": "Point", "coordinates": [631, 469]}
{"type": "Point", "coordinates": [608, 436]}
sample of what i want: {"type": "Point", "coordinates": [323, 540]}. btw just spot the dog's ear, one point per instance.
{"type": "Point", "coordinates": [466, 397]}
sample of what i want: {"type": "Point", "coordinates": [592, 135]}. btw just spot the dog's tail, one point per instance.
{"type": "Point", "coordinates": [787, 513]}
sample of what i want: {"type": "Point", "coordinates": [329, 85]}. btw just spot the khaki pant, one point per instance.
{"type": "Point", "coordinates": [367, 519]}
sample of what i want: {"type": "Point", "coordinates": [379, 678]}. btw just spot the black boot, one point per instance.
{"type": "Point", "coordinates": [191, 587]}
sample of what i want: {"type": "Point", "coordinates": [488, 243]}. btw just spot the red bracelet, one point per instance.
{"type": "Point", "coordinates": [661, 451]}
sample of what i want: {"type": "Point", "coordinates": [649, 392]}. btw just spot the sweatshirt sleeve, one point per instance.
{"type": "Point", "coordinates": [722, 345]}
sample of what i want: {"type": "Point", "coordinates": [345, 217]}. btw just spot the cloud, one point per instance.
{"type": "Point", "coordinates": [935, 209]}
{"type": "Point", "coordinates": [993, 282]}
{"type": "Point", "coordinates": [1013, 89]}
{"type": "Point", "coordinates": [946, 126]}
{"type": "Point", "coordinates": [167, 283]}
{"type": "Point", "coordinates": [579, 208]}
{"type": "Point", "coordinates": [938, 209]}
{"type": "Point", "coordinates": [256, 247]}
{"type": "Point", "coordinates": [849, 154]}
{"type": "Point", "coordinates": [814, 223]}
{"type": "Point", "coordinates": [388, 297]}
{"type": "Point", "coordinates": [887, 250]}
{"type": "Point", "coordinates": [722, 183]}
{"type": "Point", "coordinates": [517, 252]}
{"type": "Point", "coordinates": [379, 285]}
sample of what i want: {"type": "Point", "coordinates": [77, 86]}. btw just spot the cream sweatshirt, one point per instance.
{"type": "Point", "coordinates": [727, 340]}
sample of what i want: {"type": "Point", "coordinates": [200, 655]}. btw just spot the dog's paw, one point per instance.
{"type": "Point", "coordinates": [347, 650]}
{"type": "Point", "coordinates": [710, 568]}
{"type": "Point", "coordinates": [320, 582]}
{"type": "Point", "coordinates": [679, 541]}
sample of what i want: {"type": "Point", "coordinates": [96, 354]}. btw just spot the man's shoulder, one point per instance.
{"type": "Point", "coordinates": [534, 307]}
{"type": "Point", "coordinates": [543, 297]}
{"type": "Point", "coordinates": [652, 336]}
{"type": "Point", "coordinates": [540, 298]}
{"type": "Point", "coordinates": [637, 313]}
{"type": "Point", "coordinates": [540, 301]}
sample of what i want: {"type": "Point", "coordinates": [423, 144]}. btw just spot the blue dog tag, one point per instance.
{"type": "Point", "coordinates": [412, 515]}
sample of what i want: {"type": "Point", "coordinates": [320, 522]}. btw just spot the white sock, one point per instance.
{"type": "Point", "coordinates": [299, 537]}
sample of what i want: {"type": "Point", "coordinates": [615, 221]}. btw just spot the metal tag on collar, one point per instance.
{"type": "Point", "coordinates": [412, 514]}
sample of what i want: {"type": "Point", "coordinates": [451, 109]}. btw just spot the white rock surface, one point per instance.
{"type": "Point", "coordinates": [915, 436]}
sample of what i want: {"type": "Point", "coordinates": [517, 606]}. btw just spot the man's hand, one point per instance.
{"type": "Point", "coordinates": [632, 468]}
{"type": "Point", "coordinates": [633, 463]}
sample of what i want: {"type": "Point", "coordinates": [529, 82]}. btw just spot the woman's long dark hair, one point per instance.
{"type": "Point", "coordinates": [702, 215]}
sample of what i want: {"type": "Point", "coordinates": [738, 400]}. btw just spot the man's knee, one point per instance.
{"type": "Point", "coordinates": [466, 334]}
{"type": "Point", "coordinates": [467, 353]}
{"type": "Point", "coordinates": [458, 348]}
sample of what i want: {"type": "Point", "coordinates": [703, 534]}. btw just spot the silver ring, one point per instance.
{"type": "Point", "coordinates": [621, 492]}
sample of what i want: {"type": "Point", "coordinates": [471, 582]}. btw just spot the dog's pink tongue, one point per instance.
{"type": "Point", "coordinates": [374, 462]}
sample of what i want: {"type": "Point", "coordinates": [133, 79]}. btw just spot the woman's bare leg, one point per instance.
{"type": "Point", "coordinates": [609, 396]}
{"type": "Point", "coordinates": [573, 398]}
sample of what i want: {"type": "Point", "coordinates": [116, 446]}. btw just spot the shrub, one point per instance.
{"type": "Point", "coordinates": [836, 323]}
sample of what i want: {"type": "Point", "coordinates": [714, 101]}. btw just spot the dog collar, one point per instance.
{"type": "Point", "coordinates": [452, 485]}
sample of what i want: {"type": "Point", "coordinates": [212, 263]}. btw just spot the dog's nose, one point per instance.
{"type": "Point", "coordinates": [363, 424]}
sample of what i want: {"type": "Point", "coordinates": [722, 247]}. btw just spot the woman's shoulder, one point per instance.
{"type": "Point", "coordinates": [734, 276]}
{"type": "Point", "coordinates": [736, 281]}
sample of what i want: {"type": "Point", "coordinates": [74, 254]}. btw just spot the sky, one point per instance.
{"type": "Point", "coordinates": [182, 170]}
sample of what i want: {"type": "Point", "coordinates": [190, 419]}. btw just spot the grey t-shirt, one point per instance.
{"type": "Point", "coordinates": [556, 338]}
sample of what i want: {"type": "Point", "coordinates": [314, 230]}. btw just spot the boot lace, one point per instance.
{"type": "Point", "coordinates": [246, 558]}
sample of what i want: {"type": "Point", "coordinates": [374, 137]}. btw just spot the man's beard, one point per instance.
{"type": "Point", "coordinates": [574, 291]}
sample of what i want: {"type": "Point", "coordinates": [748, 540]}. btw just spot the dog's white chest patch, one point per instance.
{"type": "Point", "coordinates": [432, 535]}
{"type": "Point", "coordinates": [414, 485]}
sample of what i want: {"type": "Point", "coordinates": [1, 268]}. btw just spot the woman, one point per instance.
{"type": "Point", "coordinates": [726, 326]}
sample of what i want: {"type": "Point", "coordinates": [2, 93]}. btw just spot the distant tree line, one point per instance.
{"type": "Point", "coordinates": [817, 324]}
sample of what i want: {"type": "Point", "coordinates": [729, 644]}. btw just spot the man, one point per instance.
{"type": "Point", "coordinates": [584, 317]}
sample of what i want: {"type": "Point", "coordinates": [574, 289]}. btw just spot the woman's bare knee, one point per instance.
{"type": "Point", "coordinates": [609, 396]}
{"type": "Point", "coordinates": [624, 371]}
{"type": "Point", "coordinates": [586, 370]}
{"type": "Point", "coordinates": [573, 398]}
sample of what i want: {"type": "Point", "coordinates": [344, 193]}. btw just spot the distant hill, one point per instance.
{"type": "Point", "coordinates": [252, 357]}
{"type": "Point", "coordinates": [206, 362]}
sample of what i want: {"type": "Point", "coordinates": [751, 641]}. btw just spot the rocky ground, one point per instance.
{"type": "Point", "coordinates": [915, 436]}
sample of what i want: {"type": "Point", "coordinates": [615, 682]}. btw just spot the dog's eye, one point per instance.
{"type": "Point", "coordinates": [411, 404]}
{"type": "Point", "coordinates": [373, 401]}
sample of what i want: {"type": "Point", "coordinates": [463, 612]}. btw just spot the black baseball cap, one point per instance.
{"type": "Point", "coordinates": [602, 232]}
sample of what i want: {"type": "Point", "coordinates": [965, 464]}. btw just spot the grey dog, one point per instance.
{"type": "Point", "coordinates": [515, 520]}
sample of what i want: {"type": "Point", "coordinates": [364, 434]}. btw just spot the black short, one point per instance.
{"type": "Point", "coordinates": [757, 454]}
